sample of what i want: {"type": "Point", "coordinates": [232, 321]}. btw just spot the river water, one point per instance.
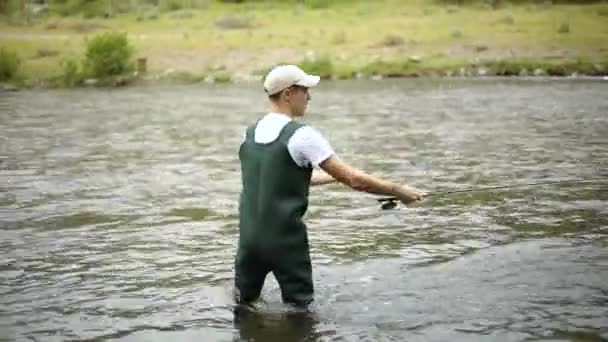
{"type": "Point", "coordinates": [118, 214]}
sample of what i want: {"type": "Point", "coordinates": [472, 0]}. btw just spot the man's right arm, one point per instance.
{"type": "Point", "coordinates": [361, 181]}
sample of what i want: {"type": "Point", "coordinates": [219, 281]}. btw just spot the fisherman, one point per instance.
{"type": "Point", "coordinates": [278, 155]}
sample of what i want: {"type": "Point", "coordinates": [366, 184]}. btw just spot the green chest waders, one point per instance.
{"type": "Point", "coordinates": [272, 235]}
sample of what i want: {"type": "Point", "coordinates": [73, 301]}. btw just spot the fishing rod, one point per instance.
{"type": "Point", "coordinates": [391, 202]}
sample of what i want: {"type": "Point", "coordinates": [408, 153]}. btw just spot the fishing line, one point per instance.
{"type": "Point", "coordinates": [391, 202]}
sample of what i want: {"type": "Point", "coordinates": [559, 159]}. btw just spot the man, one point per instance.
{"type": "Point", "coordinates": [277, 157]}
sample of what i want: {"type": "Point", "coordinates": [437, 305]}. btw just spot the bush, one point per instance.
{"type": "Point", "coordinates": [10, 7]}
{"type": "Point", "coordinates": [344, 72]}
{"type": "Point", "coordinates": [108, 54]}
{"type": "Point", "coordinates": [95, 9]}
{"type": "Point", "coordinates": [393, 68]}
{"type": "Point", "coordinates": [222, 77]}
{"type": "Point", "coordinates": [319, 66]}
{"type": "Point", "coordinates": [318, 4]}
{"type": "Point", "coordinates": [44, 52]}
{"type": "Point", "coordinates": [172, 5]}
{"type": "Point", "coordinates": [326, 4]}
{"type": "Point", "coordinates": [147, 13]}
{"type": "Point", "coordinates": [72, 75]}
{"type": "Point", "coordinates": [9, 64]}
{"type": "Point", "coordinates": [392, 40]}
{"type": "Point", "coordinates": [88, 8]}
{"type": "Point", "coordinates": [456, 33]}
{"type": "Point", "coordinates": [67, 7]}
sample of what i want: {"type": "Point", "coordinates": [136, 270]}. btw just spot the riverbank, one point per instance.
{"type": "Point", "coordinates": [238, 42]}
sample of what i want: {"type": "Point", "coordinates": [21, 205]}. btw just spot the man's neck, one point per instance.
{"type": "Point", "coordinates": [282, 110]}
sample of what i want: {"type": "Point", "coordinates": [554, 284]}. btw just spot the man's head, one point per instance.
{"type": "Point", "coordinates": [287, 87]}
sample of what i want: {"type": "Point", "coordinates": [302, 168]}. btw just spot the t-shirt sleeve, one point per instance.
{"type": "Point", "coordinates": [308, 147]}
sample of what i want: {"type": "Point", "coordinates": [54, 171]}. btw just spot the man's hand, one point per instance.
{"type": "Point", "coordinates": [408, 195]}
{"type": "Point", "coordinates": [361, 181]}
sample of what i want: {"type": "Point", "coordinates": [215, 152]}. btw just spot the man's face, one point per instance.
{"type": "Point", "coordinates": [298, 99]}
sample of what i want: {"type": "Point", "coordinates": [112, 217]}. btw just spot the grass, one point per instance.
{"type": "Point", "coordinates": [376, 37]}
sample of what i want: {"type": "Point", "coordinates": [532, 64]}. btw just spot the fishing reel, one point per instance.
{"type": "Point", "coordinates": [387, 203]}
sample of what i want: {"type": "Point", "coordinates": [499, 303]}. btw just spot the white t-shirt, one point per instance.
{"type": "Point", "coordinates": [307, 146]}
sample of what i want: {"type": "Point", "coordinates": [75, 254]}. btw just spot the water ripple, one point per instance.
{"type": "Point", "coordinates": [118, 213]}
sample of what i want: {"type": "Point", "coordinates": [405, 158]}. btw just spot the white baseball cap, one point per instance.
{"type": "Point", "coordinates": [284, 76]}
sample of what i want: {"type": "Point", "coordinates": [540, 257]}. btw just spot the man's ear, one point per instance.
{"type": "Point", "coordinates": [287, 93]}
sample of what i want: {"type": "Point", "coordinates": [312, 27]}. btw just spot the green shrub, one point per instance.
{"type": "Point", "coordinates": [9, 64]}
{"type": "Point", "coordinates": [584, 67]}
{"type": "Point", "coordinates": [67, 7]}
{"type": "Point", "coordinates": [108, 54]}
{"type": "Point", "coordinates": [183, 77]}
{"type": "Point", "coordinates": [456, 33]}
{"type": "Point", "coordinates": [344, 72]}
{"type": "Point", "coordinates": [398, 68]}
{"type": "Point", "coordinates": [222, 77]}
{"type": "Point", "coordinates": [10, 7]}
{"type": "Point", "coordinates": [325, 4]}
{"type": "Point", "coordinates": [392, 40]}
{"type": "Point", "coordinates": [94, 9]}
{"type": "Point", "coordinates": [88, 8]}
{"type": "Point", "coordinates": [318, 4]}
{"type": "Point", "coordinates": [72, 75]}
{"type": "Point", "coordinates": [172, 5]}
{"type": "Point", "coordinates": [513, 67]}
{"type": "Point", "coordinates": [321, 66]}
{"type": "Point", "coordinates": [147, 13]}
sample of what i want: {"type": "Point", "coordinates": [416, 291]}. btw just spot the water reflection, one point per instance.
{"type": "Point", "coordinates": [286, 325]}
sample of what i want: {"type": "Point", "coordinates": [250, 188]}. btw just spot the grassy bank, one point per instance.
{"type": "Point", "coordinates": [221, 42]}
